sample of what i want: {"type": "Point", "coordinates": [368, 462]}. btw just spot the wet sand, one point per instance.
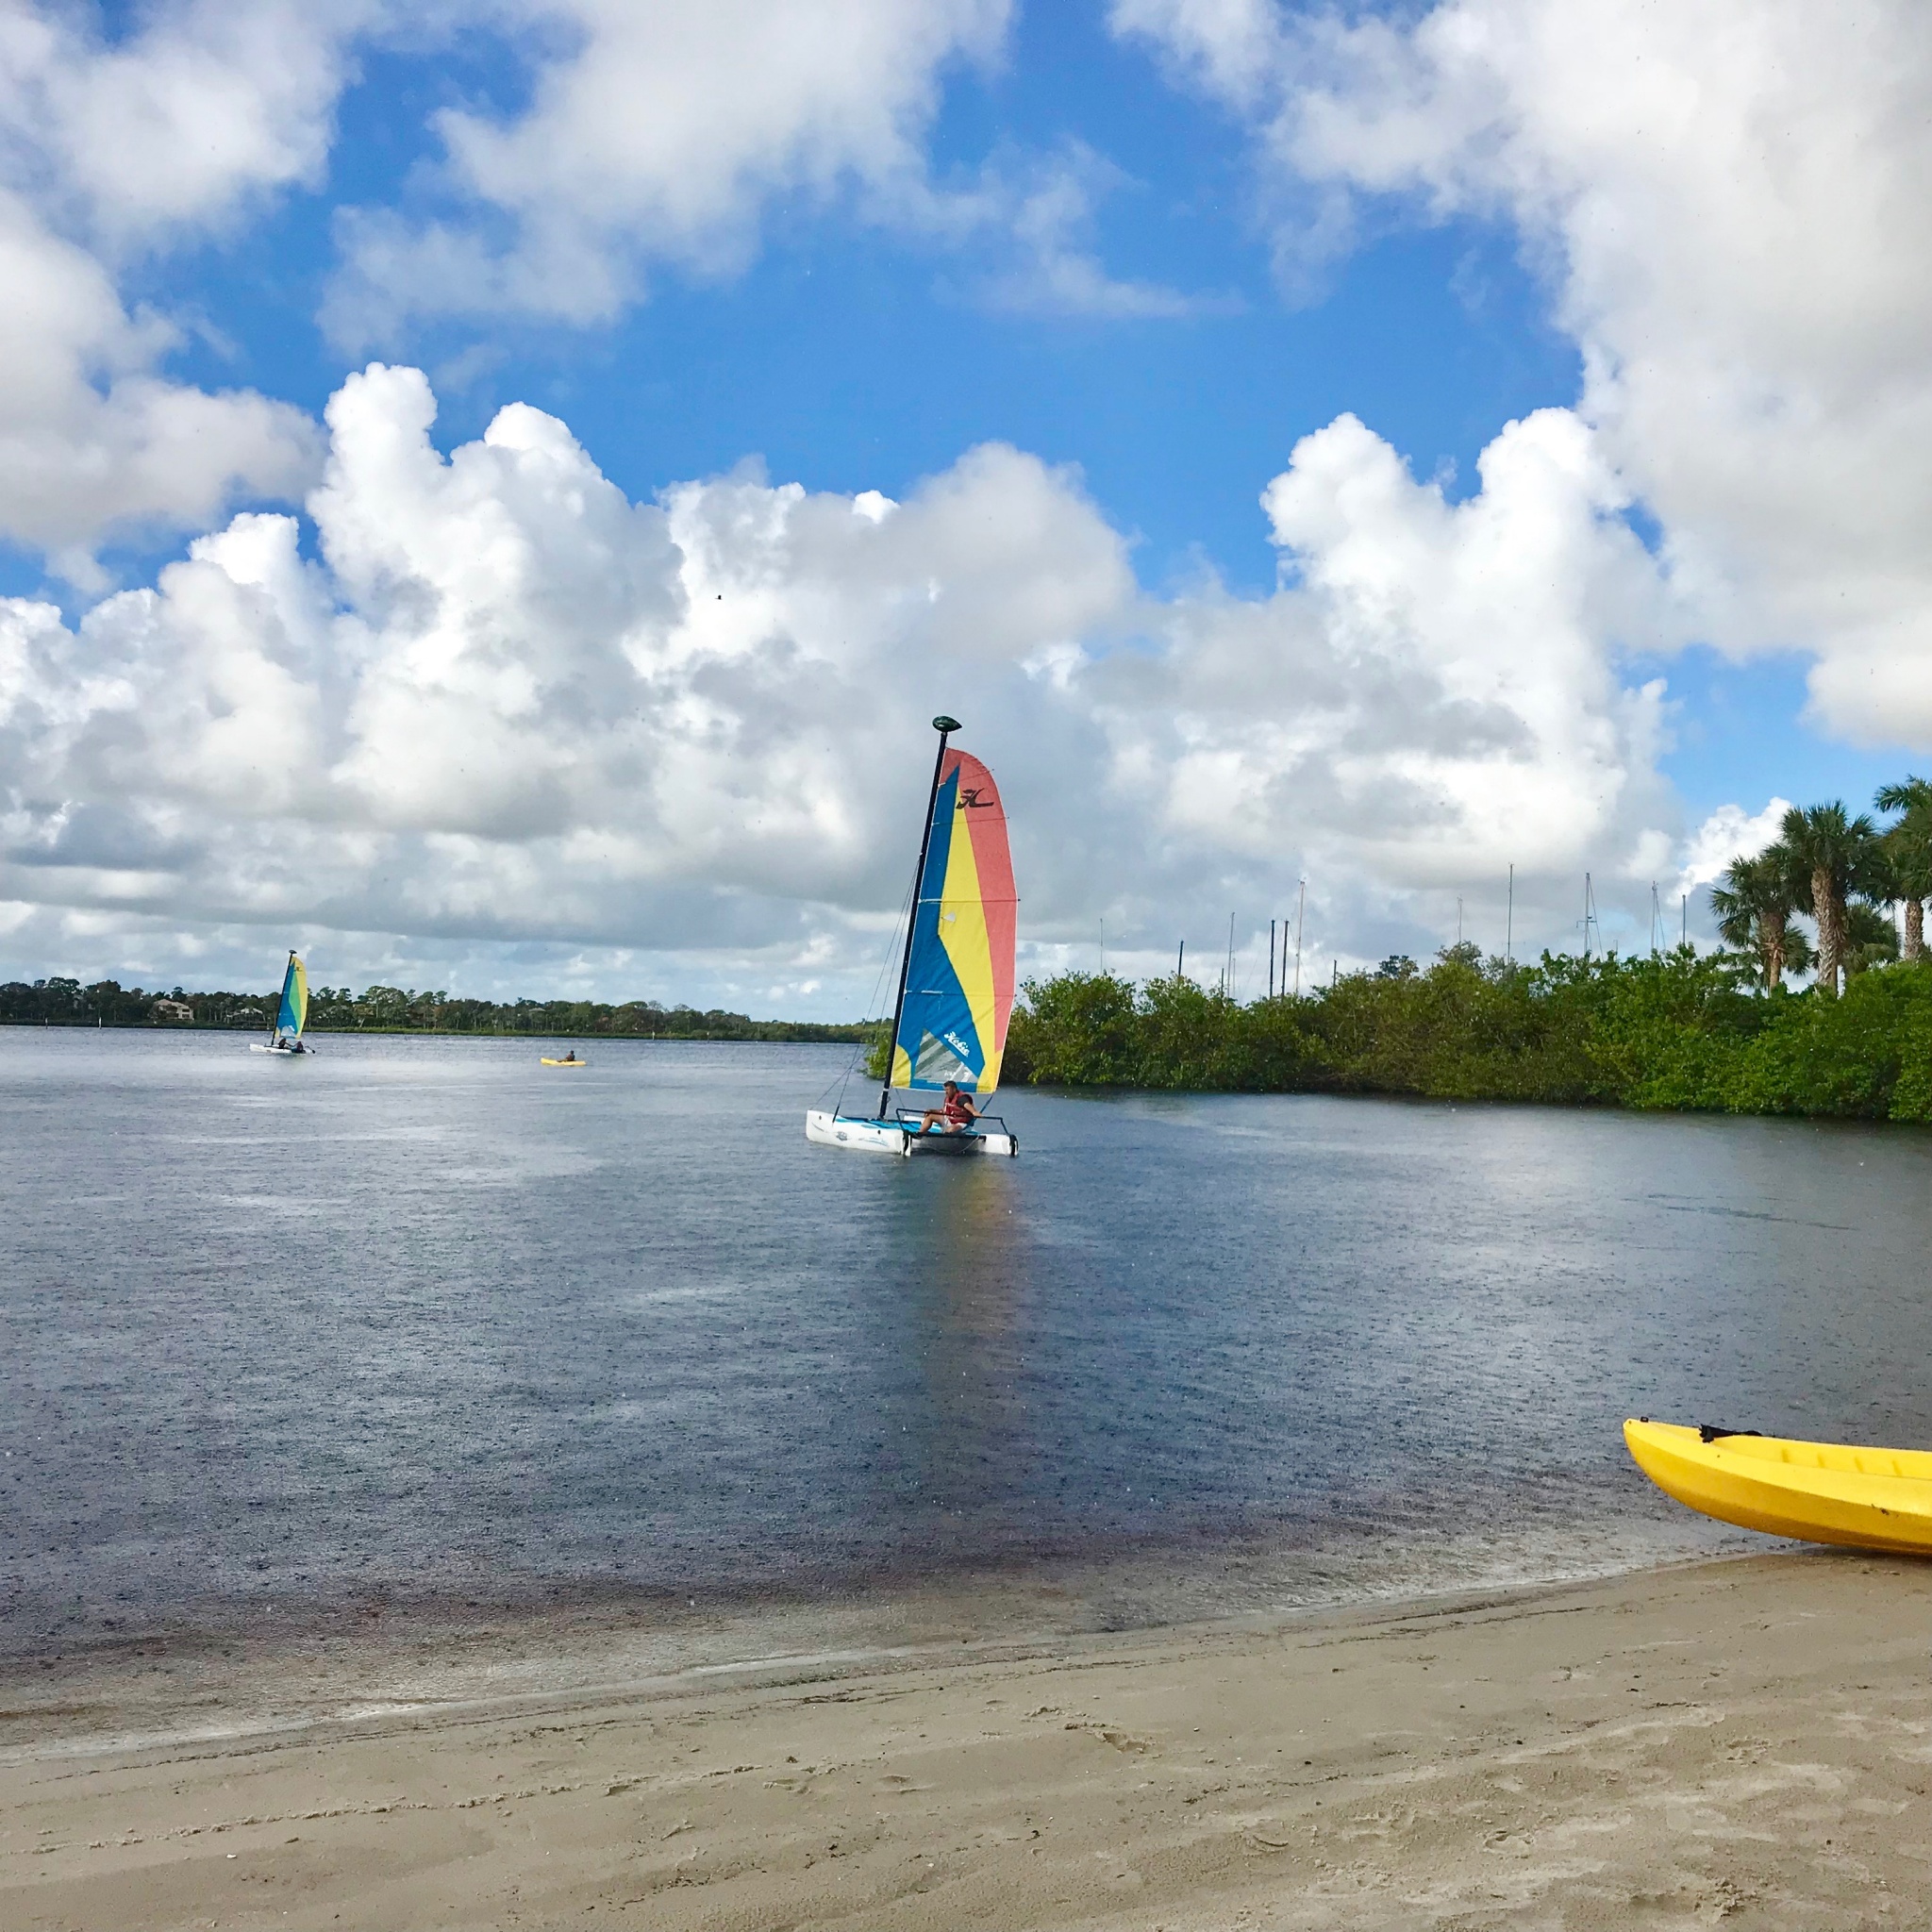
{"type": "Point", "coordinates": [1746, 1742]}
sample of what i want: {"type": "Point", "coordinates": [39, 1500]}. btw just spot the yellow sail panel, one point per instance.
{"type": "Point", "coordinates": [964, 934]}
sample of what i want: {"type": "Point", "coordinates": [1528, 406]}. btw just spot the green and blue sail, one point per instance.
{"type": "Point", "coordinates": [293, 1014]}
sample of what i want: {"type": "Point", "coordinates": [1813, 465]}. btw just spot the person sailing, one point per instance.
{"type": "Point", "coordinates": [953, 1113]}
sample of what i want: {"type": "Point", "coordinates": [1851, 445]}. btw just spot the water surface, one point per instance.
{"type": "Point", "coordinates": [419, 1318]}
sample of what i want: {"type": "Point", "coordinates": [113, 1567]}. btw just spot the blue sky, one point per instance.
{"type": "Point", "coordinates": [848, 357]}
{"type": "Point", "coordinates": [821, 330]}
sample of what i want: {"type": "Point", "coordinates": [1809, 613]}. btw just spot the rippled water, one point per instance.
{"type": "Point", "coordinates": [422, 1316]}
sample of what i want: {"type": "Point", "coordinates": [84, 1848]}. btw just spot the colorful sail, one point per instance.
{"type": "Point", "coordinates": [959, 978]}
{"type": "Point", "coordinates": [293, 1014]}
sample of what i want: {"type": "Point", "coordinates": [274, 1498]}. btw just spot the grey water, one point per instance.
{"type": "Point", "coordinates": [422, 1320]}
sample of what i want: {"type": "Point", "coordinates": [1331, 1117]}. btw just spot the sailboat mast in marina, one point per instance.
{"type": "Point", "coordinates": [956, 979]}
{"type": "Point", "coordinates": [291, 1014]}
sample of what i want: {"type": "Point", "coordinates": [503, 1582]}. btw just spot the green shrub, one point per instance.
{"type": "Point", "coordinates": [1847, 1057]}
{"type": "Point", "coordinates": [1679, 1030]}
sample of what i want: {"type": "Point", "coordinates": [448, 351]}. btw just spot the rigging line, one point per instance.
{"type": "Point", "coordinates": [843, 1079]}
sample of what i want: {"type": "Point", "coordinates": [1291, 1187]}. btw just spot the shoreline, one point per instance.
{"type": "Point", "coordinates": [468, 1623]}
{"type": "Point", "coordinates": [1749, 1736]}
{"type": "Point", "coordinates": [288, 1667]}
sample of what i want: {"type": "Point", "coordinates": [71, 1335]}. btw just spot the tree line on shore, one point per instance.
{"type": "Point", "coordinates": [1681, 1029]}
{"type": "Point", "coordinates": [1721, 1031]}
{"type": "Point", "coordinates": [57, 1002]}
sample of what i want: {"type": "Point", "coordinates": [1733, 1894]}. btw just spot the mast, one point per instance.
{"type": "Point", "coordinates": [945, 726]}
{"type": "Point", "coordinates": [274, 1020]}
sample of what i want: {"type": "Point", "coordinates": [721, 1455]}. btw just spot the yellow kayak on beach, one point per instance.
{"type": "Point", "coordinates": [549, 1062]}
{"type": "Point", "coordinates": [1822, 1493]}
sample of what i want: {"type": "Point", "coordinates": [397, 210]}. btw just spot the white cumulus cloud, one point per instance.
{"type": "Point", "coordinates": [1729, 832]}
{"type": "Point", "coordinates": [1727, 202]}
{"type": "Point", "coordinates": [205, 107]}
{"type": "Point", "coordinates": [1432, 693]}
{"type": "Point", "coordinates": [108, 150]}
{"type": "Point", "coordinates": [657, 133]}
{"type": "Point", "coordinates": [496, 703]}
{"type": "Point", "coordinates": [92, 438]}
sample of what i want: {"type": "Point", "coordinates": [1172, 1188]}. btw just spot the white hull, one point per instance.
{"type": "Point", "coordinates": [889, 1136]}
{"type": "Point", "coordinates": [291, 1051]}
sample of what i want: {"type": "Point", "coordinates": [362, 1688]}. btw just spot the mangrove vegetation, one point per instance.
{"type": "Point", "coordinates": [1724, 1031]}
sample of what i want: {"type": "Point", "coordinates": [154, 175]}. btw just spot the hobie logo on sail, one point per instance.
{"type": "Point", "coordinates": [940, 1061]}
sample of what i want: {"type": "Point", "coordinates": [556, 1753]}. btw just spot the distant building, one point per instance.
{"type": "Point", "coordinates": [172, 1009]}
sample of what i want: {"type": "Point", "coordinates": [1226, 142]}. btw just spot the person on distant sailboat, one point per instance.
{"type": "Point", "coordinates": [954, 1112]}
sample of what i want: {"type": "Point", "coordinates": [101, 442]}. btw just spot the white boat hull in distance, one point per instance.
{"type": "Point", "coordinates": [900, 1137]}
{"type": "Point", "coordinates": [285, 1051]}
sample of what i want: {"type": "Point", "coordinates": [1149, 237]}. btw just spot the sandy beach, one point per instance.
{"type": "Point", "coordinates": [1746, 1740]}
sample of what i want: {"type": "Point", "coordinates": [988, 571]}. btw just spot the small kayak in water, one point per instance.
{"type": "Point", "coordinates": [549, 1062]}
{"type": "Point", "coordinates": [1820, 1492]}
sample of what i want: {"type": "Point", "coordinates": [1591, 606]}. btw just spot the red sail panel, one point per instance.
{"type": "Point", "coordinates": [984, 819]}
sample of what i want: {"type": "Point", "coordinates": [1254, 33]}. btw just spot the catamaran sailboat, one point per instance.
{"type": "Point", "coordinates": [956, 981]}
{"type": "Point", "coordinates": [291, 1015]}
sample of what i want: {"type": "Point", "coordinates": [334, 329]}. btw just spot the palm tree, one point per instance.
{"type": "Point", "coordinates": [1870, 939]}
{"type": "Point", "coordinates": [1754, 905]}
{"type": "Point", "coordinates": [1834, 857]}
{"type": "Point", "coordinates": [1908, 843]}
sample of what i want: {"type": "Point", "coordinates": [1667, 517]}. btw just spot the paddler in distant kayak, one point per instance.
{"type": "Point", "coordinates": [955, 1112]}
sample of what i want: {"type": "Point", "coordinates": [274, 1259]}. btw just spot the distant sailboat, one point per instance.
{"type": "Point", "coordinates": [293, 1014]}
{"type": "Point", "coordinates": [956, 981]}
